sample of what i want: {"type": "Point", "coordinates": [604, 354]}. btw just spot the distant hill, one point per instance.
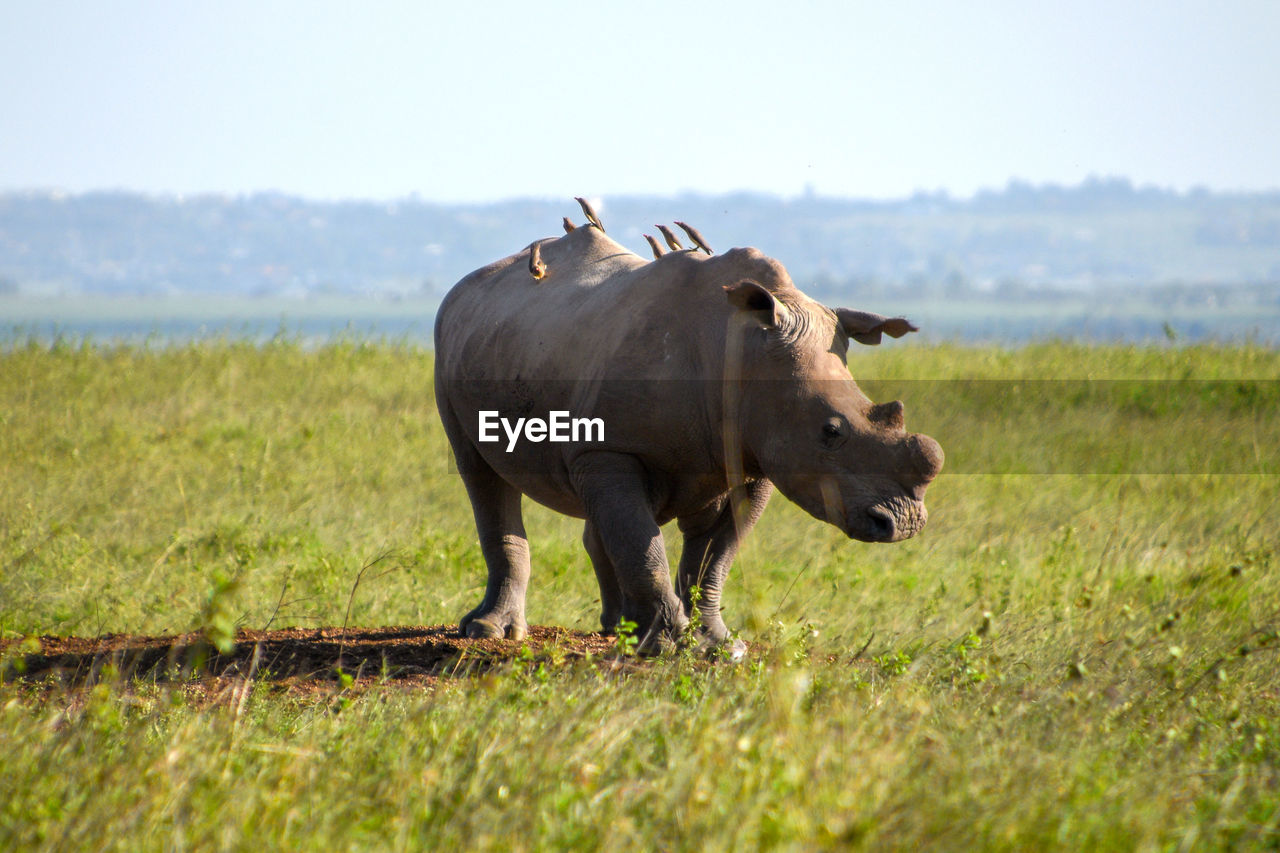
{"type": "Point", "coordinates": [1021, 242]}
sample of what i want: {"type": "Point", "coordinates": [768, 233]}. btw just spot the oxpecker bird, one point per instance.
{"type": "Point", "coordinates": [653, 244]}
{"type": "Point", "coordinates": [568, 224]}
{"type": "Point", "coordinates": [695, 237]}
{"type": "Point", "coordinates": [670, 238]}
{"type": "Point", "coordinates": [537, 268]}
{"type": "Point", "coordinates": [592, 219]}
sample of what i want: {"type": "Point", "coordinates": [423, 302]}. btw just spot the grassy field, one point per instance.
{"type": "Point", "coordinates": [1079, 651]}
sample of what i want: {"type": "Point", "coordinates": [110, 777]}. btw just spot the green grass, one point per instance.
{"type": "Point", "coordinates": [1077, 659]}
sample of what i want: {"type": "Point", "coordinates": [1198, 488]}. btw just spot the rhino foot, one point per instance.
{"type": "Point", "coordinates": [733, 650]}
{"type": "Point", "coordinates": [664, 632]}
{"type": "Point", "coordinates": [720, 645]}
{"type": "Point", "coordinates": [493, 626]}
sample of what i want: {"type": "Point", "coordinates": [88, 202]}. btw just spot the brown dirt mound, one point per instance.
{"type": "Point", "coordinates": [292, 657]}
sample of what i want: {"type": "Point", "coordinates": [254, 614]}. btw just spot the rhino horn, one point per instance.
{"type": "Point", "coordinates": [866, 328]}
{"type": "Point", "coordinates": [888, 414]}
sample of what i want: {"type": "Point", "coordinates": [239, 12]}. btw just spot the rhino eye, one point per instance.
{"type": "Point", "coordinates": [833, 432]}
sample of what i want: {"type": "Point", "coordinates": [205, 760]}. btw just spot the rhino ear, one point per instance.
{"type": "Point", "coordinates": [749, 296]}
{"type": "Point", "coordinates": [866, 328]}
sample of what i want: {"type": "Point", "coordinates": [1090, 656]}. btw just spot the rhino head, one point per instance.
{"type": "Point", "coordinates": [807, 426]}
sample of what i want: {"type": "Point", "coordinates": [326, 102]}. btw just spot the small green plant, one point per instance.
{"type": "Point", "coordinates": [967, 667]}
{"type": "Point", "coordinates": [893, 663]}
{"type": "Point", "coordinates": [686, 688]}
{"type": "Point", "coordinates": [624, 643]}
{"type": "Point", "coordinates": [695, 615]}
{"type": "Point", "coordinates": [809, 634]}
{"type": "Point", "coordinates": [218, 619]}
{"type": "Point", "coordinates": [689, 644]}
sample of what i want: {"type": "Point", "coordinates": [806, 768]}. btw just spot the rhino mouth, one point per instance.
{"type": "Point", "coordinates": [889, 520]}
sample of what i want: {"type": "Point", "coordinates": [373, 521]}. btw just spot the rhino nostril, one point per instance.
{"type": "Point", "coordinates": [882, 525]}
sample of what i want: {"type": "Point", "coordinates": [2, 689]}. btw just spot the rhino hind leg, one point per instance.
{"type": "Point", "coordinates": [506, 553]}
{"type": "Point", "coordinates": [711, 541]}
{"type": "Point", "coordinates": [495, 504]}
{"type": "Point", "coordinates": [606, 576]}
{"type": "Point", "coordinates": [613, 490]}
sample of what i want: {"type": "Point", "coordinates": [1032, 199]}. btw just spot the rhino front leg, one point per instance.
{"type": "Point", "coordinates": [711, 540]}
{"type": "Point", "coordinates": [606, 576]}
{"type": "Point", "coordinates": [613, 490]}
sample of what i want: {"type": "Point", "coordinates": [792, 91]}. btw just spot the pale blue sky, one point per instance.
{"type": "Point", "coordinates": [480, 101]}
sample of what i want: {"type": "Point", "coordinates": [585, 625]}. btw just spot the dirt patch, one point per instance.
{"type": "Point", "coordinates": [297, 658]}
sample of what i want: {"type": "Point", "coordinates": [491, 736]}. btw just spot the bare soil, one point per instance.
{"type": "Point", "coordinates": [301, 660]}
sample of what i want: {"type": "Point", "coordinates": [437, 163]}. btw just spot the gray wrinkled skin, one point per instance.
{"type": "Point", "coordinates": [717, 381]}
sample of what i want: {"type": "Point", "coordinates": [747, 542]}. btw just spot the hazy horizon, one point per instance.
{"type": "Point", "coordinates": [474, 105]}
{"type": "Point", "coordinates": [414, 197]}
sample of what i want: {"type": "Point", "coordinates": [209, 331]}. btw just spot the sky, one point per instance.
{"type": "Point", "coordinates": [473, 102]}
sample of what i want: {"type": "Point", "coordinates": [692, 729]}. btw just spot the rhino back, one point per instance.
{"type": "Point", "coordinates": [600, 312]}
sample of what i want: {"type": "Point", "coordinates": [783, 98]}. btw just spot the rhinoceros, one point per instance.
{"type": "Point", "coordinates": [701, 382]}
